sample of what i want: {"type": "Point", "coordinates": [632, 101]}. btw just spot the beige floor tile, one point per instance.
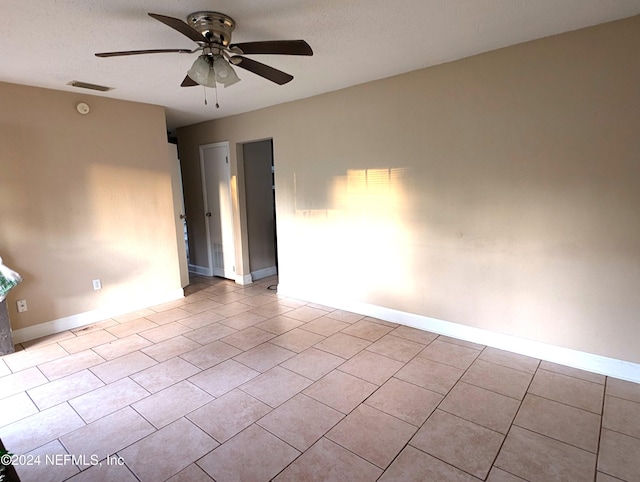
{"type": "Point", "coordinates": [345, 316]}
{"type": "Point", "coordinates": [320, 306]}
{"type": "Point", "coordinates": [201, 319]}
{"type": "Point", "coordinates": [169, 305]}
{"type": "Point", "coordinates": [498, 378]}
{"type": "Point", "coordinates": [276, 386]}
{"type": "Point", "coordinates": [324, 326]}
{"type": "Point", "coordinates": [210, 333]}
{"type": "Point", "coordinates": [509, 359]}
{"type": "Point", "coordinates": [258, 300]}
{"type": "Point", "coordinates": [132, 327]}
{"type": "Point", "coordinates": [499, 475]}
{"type": "Point", "coordinates": [367, 330]}
{"type": "Point", "coordinates": [170, 404]}
{"type": "Point", "coordinates": [123, 366]}
{"type": "Point", "coordinates": [70, 364]}
{"type": "Point", "coordinates": [121, 347]}
{"type": "Point", "coordinates": [457, 341]}
{"type": "Point", "coordinates": [297, 340]}
{"type": "Point", "coordinates": [463, 444]}
{"type": "Point", "coordinates": [340, 390]}
{"type": "Point", "coordinates": [389, 324]}
{"type": "Point", "coordinates": [248, 338]}
{"type": "Point", "coordinates": [623, 389]}
{"type": "Point", "coordinates": [619, 455]}
{"type": "Point", "coordinates": [396, 348]}
{"type": "Point", "coordinates": [405, 401]}
{"type": "Point", "coordinates": [344, 346]}
{"type": "Point", "coordinates": [193, 473]}
{"type": "Point", "coordinates": [84, 342]}
{"type": "Point", "coordinates": [264, 357]}
{"type": "Point", "coordinates": [271, 309]}
{"type": "Point", "coordinates": [201, 306]}
{"type": "Point", "coordinates": [16, 407]}
{"type": "Point", "coordinates": [165, 374]}
{"type": "Point", "coordinates": [622, 416]}
{"type": "Point", "coordinates": [48, 455]}
{"type": "Point", "coordinates": [430, 375]}
{"type": "Point", "coordinates": [24, 359]}
{"type": "Point", "coordinates": [535, 457]}
{"type": "Point", "coordinates": [133, 315]}
{"type": "Point", "coordinates": [414, 334]}
{"type": "Point", "coordinates": [252, 455]}
{"type": "Point", "coordinates": [572, 391]}
{"type": "Point", "coordinates": [484, 407]}
{"type": "Point", "coordinates": [106, 436]}
{"type": "Point", "coordinates": [63, 389]}
{"type": "Point", "coordinates": [300, 421]}
{"type": "Point", "coordinates": [210, 354]}
{"type": "Point", "coordinates": [223, 296]}
{"type": "Point", "coordinates": [169, 316]}
{"type": "Point", "coordinates": [371, 367]}
{"type": "Point", "coordinates": [326, 461]}
{"type": "Point", "coordinates": [108, 399]}
{"type": "Point", "coordinates": [602, 477]}
{"type": "Point", "coordinates": [4, 369]}
{"type": "Point", "coordinates": [573, 372]}
{"type": "Point", "coordinates": [372, 434]}
{"type": "Point", "coordinates": [243, 320]}
{"type": "Point", "coordinates": [559, 421]}
{"type": "Point", "coordinates": [228, 415]}
{"type": "Point", "coordinates": [21, 381]}
{"type": "Point", "coordinates": [31, 432]}
{"type": "Point", "coordinates": [413, 465]}
{"type": "Point", "coordinates": [164, 332]}
{"type": "Point", "coordinates": [223, 377]}
{"type": "Point", "coordinates": [47, 340]}
{"type": "Point", "coordinates": [105, 473]}
{"type": "Point", "coordinates": [170, 348]}
{"type": "Point", "coordinates": [101, 325]}
{"type": "Point", "coordinates": [305, 313]}
{"type": "Point", "coordinates": [313, 363]}
{"type": "Point", "coordinates": [450, 354]}
{"type": "Point", "coordinates": [231, 309]}
{"type": "Point", "coordinates": [168, 451]}
{"type": "Point", "coordinates": [279, 324]}
{"type": "Point", "coordinates": [292, 302]}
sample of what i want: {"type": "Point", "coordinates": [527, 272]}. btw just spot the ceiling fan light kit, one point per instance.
{"type": "Point", "coordinates": [212, 32]}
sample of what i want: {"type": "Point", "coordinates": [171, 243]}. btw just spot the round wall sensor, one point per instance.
{"type": "Point", "coordinates": [83, 108]}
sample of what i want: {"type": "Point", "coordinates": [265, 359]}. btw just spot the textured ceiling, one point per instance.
{"type": "Point", "coordinates": [48, 43]}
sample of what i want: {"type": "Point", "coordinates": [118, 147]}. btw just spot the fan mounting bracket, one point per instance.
{"type": "Point", "coordinates": [215, 27]}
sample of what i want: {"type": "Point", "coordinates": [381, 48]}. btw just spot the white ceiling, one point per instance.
{"type": "Point", "coordinates": [48, 43]}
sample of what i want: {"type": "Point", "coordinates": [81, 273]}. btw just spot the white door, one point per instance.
{"type": "Point", "coordinates": [216, 184]}
{"type": "Point", "coordinates": [178, 207]}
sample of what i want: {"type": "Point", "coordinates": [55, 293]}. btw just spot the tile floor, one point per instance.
{"type": "Point", "coordinates": [235, 383]}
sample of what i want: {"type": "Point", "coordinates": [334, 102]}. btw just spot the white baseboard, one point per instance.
{"type": "Point", "coordinates": [243, 279]}
{"type": "Point", "coordinates": [89, 317]}
{"type": "Point", "coordinates": [565, 356]}
{"type": "Point", "coordinates": [264, 273]}
{"type": "Point", "coordinates": [201, 270]}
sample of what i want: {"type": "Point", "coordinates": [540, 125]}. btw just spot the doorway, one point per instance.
{"type": "Point", "coordinates": [218, 209]}
{"type": "Point", "coordinates": [260, 208]}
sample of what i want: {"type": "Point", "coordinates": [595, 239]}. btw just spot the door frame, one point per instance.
{"type": "Point", "coordinates": [210, 269]}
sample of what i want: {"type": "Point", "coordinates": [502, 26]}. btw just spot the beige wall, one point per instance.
{"type": "Point", "coordinates": [83, 197]}
{"type": "Point", "coordinates": [499, 191]}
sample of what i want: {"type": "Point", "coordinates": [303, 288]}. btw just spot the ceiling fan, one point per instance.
{"type": "Point", "coordinates": [212, 32]}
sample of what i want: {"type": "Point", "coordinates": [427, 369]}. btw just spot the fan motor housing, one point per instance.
{"type": "Point", "coordinates": [214, 26]}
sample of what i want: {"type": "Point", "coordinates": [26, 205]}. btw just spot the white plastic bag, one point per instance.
{"type": "Point", "coordinates": [8, 279]}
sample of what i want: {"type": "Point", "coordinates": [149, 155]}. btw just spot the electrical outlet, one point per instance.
{"type": "Point", "coordinates": [97, 284]}
{"type": "Point", "coordinates": [22, 306]}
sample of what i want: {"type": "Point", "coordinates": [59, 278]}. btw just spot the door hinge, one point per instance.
{"type": "Point", "coordinates": [234, 269]}
{"type": "Point", "coordinates": [227, 158]}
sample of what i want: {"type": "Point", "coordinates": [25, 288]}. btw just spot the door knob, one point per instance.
{"type": "Point", "coordinates": [183, 216]}
{"type": "Point", "coordinates": [208, 214]}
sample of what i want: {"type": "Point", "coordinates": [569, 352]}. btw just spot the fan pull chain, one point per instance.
{"type": "Point", "coordinates": [205, 95]}
{"type": "Point", "coordinates": [216, 89]}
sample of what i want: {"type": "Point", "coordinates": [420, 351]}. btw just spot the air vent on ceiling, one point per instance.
{"type": "Point", "coordinates": [86, 85]}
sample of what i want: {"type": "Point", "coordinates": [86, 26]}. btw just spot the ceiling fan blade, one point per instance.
{"type": "Point", "coordinates": [139, 52]}
{"type": "Point", "coordinates": [281, 47]}
{"type": "Point", "coordinates": [258, 68]}
{"type": "Point", "coordinates": [188, 82]}
{"type": "Point", "coordinates": [180, 26]}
